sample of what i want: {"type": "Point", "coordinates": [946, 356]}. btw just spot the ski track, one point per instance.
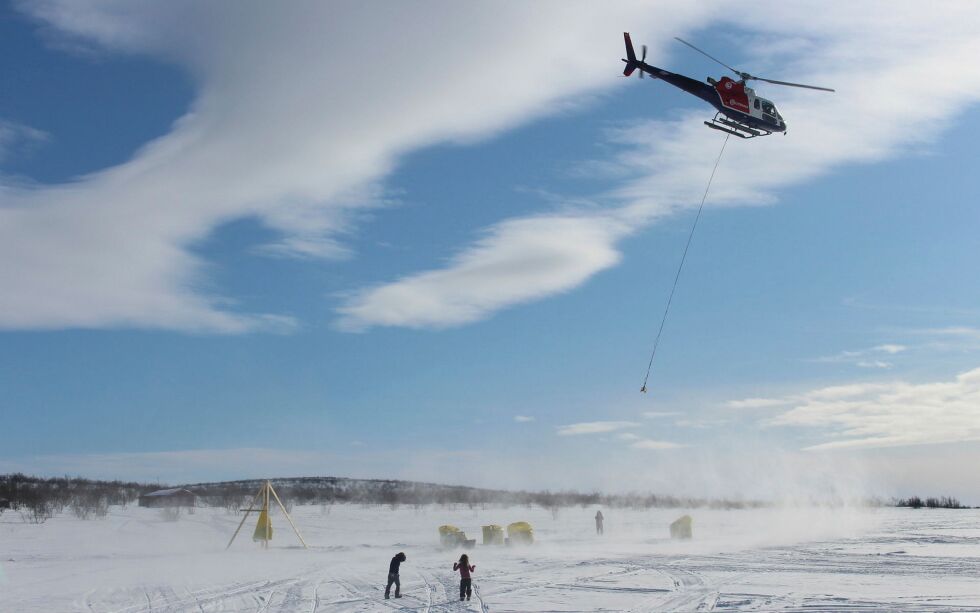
{"type": "Point", "coordinates": [316, 597]}
{"type": "Point", "coordinates": [435, 590]}
{"type": "Point", "coordinates": [428, 593]}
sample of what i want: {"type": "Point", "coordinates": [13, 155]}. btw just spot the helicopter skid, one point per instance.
{"type": "Point", "coordinates": [734, 128]}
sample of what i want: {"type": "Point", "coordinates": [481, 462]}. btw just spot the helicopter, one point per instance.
{"type": "Point", "coordinates": [740, 112]}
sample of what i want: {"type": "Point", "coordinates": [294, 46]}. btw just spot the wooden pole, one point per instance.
{"type": "Point", "coordinates": [288, 518]}
{"type": "Point", "coordinates": [268, 520]}
{"type": "Point", "coordinates": [242, 523]}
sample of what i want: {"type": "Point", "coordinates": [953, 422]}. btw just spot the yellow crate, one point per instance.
{"type": "Point", "coordinates": [493, 535]}
{"type": "Point", "coordinates": [520, 532]}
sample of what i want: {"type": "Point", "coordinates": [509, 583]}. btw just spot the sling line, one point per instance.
{"type": "Point", "coordinates": [680, 267]}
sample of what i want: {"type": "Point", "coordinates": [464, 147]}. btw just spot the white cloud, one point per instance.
{"type": "Point", "coordinates": [656, 445]}
{"type": "Point", "coordinates": [700, 423]}
{"type": "Point", "coordinates": [756, 403]}
{"type": "Point", "coordinates": [293, 124]}
{"type": "Point", "coordinates": [523, 419]}
{"type": "Point", "coordinates": [957, 331]}
{"type": "Point", "coordinates": [517, 261]}
{"type": "Point", "coordinates": [660, 414]}
{"type": "Point", "coordinates": [288, 128]}
{"type": "Point", "coordinates": [628, 436]}
{"type": "Point", "coordinates": [867, 51]}
{"type": "Point", "coordinates": [18, 137]}
{"type": "Point", "coordinates": [889, 414]}
{"type": "Point", "coordinates": [865, 358]}
{"type": "Point", "coordinates": [873, 364]}
{"type": "Point", "coordinates": [956, 339]}
{"type": "Point", "coordinates": [890, 348]}
{"type": "Point", "coordinates": [595, 427]}
{"type": "Point", "coordinates": [952, 337]}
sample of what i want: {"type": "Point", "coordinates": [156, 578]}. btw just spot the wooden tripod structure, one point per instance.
{"type": "Point", "coordinates": [264, 531]}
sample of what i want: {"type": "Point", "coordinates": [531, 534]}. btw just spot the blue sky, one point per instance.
{"type": "Point", "coordinates": [236, 245]}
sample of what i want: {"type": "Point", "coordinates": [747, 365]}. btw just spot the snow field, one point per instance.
{"type": "Point", "coordinates": [786, 559]}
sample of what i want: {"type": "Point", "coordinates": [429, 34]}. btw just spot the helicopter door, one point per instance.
{"type": "Point", "coordinates": [734, 95]}
{"type": "Point", "coordinates": [769, 112]}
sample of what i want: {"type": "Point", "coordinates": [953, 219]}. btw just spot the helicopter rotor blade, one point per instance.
{"type": "Point", "coordinates": [738, 72]}
{"type": "Point", "coordinates": [823, 89]}
{"type": "Point", "coordinates": [644, 58]}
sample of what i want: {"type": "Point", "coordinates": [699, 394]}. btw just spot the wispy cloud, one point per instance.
{"type": "Point", "coordinates": [944, 310]}
{"type": "Point", "coordinates": [890, 348]}
{"type": "Point", "coordinates": [285, 129]}
{"type": "Point", "coordinates": [595, 427]}
{"type": "Point", "coordinates": [701, 423]}
{"type": "Point", "coordinates": [953, 338]}
{"type": "Point", "coordinates": [873, 364]}
{"type": "Point", "coordinates": [660, 414]}
{"type": "Point", "coordinates": [865, 358]}
{"type": "Point", "coordinates": [960, 332]}
{"type": "Point", "coordinates": [523, 419]}
{"type": "Point", "coordinates": [888, 414]}
{"type": "Point", "coordinates": [757, 403]}
{"type": "Point", "coordinates": [115, 248]}
{"type": "Point", "coordinates": [517, 261]}
{"type": "Point", "coordinates": [656, 445]}
{"type": "Point", "coordinates": [17, 137]}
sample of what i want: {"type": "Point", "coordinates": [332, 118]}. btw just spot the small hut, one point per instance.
{"type": "Point", "coordinates": [173, 497]}
{"type": "Point", "coordinates": [451, 537]}
{"type": "Point", "coordinates": [493, 535]}
{"type": "Point", "coordinates": [681, 529]}
{"type": "Point", "coordinates": [520, 533]}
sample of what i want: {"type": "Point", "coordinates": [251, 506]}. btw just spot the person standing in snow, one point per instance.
{"type": "Point", "coordinates": [465, 582]}
{"type": "Point", "coordinates": [393, 575]}
{"type": "Point", "coordinates": [598, 522]}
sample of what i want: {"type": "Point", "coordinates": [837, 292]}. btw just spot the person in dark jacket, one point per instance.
{"type": "Point", "coordinates": [393, 575]}
{"type": "Point", "coordinates": [598, 522]}
{"type": "Point", "coordinates": [465, 582]}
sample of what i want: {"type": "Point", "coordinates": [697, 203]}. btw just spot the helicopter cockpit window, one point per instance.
{"type": "Point", "coordinates": [756, 103]}
{"type": "Point", "coordinates": [768, 109]}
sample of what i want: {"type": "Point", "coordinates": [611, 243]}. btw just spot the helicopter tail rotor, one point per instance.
{"type": "Point", "coordinates": [631, 62]}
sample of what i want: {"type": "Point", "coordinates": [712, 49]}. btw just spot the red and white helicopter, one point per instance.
{"type": "Point", "coordinates": [740, 111]}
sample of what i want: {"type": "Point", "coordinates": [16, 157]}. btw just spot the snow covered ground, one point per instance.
{"type": "Point", "coordinates": [776, 559]}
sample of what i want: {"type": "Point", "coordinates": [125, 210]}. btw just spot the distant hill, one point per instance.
{"type": "Point", "coordinates": [38, 498]}
{"type": "Point", "coordinates": [329, 490]}
{"type": "Point", "coordinates": [320, 490]}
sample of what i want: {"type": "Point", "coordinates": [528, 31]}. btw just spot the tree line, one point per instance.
{"type": "Point", "coordinates": [331, 490]}
{"type": "Point", "coordinates": [37, 499]}
{"type": "Point", "coordinates": [943, 502]}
